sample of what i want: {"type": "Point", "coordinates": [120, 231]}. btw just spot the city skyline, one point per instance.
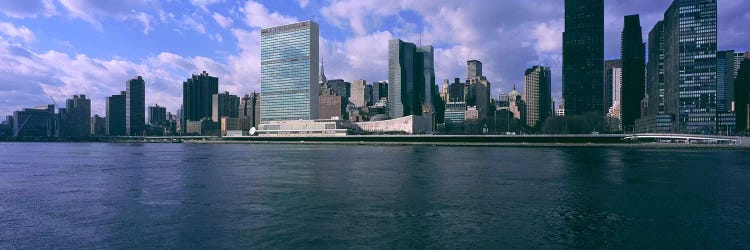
{"type": "Point", "coordinates": [32, 47]}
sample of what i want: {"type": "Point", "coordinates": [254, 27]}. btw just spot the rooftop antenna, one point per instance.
{"type": "Point", "coordinates": [420, 38]}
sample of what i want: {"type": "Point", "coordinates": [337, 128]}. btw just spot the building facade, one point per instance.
{"type": "Point", "coordinates": [608, 73]}
{"type": "Point", "coordinates": [358, 93]}
{"type": "Point", "coordinates": [538, 95]}
{"type": "Point", "coordinates": [633, 56]}
{"type": "Point", "coordinates": [197, 98]}
{"type": "Point", "coordinates": [250, 109]}
{"type": "Point", "coordinates": [77, 117]}
{"type": "Point", "coordinates": [224, 105]}
{"type": "Point", "coordinates": [135, 106]}
{"type": "Point", "coordinates": [583, 57]}
{"type": "Point", "coordinates": [690, 65]}
{"type": "Point", "coordinates": [116, 115]}
{"type": "Point", "coordinates": [411, 78]}
{"type": "Point", "coordinates": [289, 72]}
{"type": "Point", "coordinates": [157, 115]}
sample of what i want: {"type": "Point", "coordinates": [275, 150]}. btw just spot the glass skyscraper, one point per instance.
{"type": "Point", "coordinates": [690, 65]}
{"type": "Point", "coordinates": [583, 57]}
{"type": "Point", "coordinates": [411, 79]}
{"type": "Point", "coordinates": [135, 106]}
{"type": "Point", "coordinates": [289, 72]}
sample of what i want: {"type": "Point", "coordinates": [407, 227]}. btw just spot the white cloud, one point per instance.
{"type": "Point", "coordinates": [145, 19]}
{"type": "Point", "coordinates": [223, 21]}
{"type": "Point", "coordinates": [303, 3]}
{"type": "Point", "coordinates": [203, 4]}
{"type": "Point", "coordinates": [194, 22]}
{"type": "Point", "coordinates": [17, 32]}
{"type": "Point", "coordinates": [27, 8]}
{"type": "Point", "coordinates": [257, 16]}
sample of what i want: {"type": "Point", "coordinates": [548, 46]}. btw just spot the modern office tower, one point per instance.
{"type": "Point", "coordinates": [738, 58]}
{"type": "Point", "coordinates": [456, 91]}
{"type": "Point", "coordinates": [157, 115]}
{"type": "Point", "coordinates": [411, 76]}
{"type": "Point", "coordinates": [224, 105]}
{"type": "Point", "coordinates": [633, 56]}
{"type": "Point", "coordinates": [289, 72]}
{"type": "Point", "coordinates": [473, 69]}
{"type": "Point", "coordinates": [368, 95]}
{"type": "Point", "coordinates": [340, 87]}
{"type": "Point", "coordinates": [116, 115]}
{"type": "Point", "coordinates": [725, 73]}
{"type": "Point", "coordinates": [331, 105]}
{"type": "Point", "coordinates": [583, 57]}
{"type": "Point", "coordinates": [608, 73]}
{"type": "Point", "coordinates": [655, 69]}
{"type": "Point", "coordinates": [690, 65]}
{"type": "Point", "coordinates": [357, 97]}
{"type": "Point", "coordinates": [135, 106]}
{"type": "Point", "coordinates": [379, 90]}
{"type": "Point", "coordinates": [742, 98]}
{"type": "Point", "coordinates": [98, 126]}
{"type": "Point", "coordinates": [538, 95]}
{"type": "Point", "coordinates": [197, 98]}
{"type": "Point", "coordinates": [615, 111]}
{"type": "Point", "coordinates": [34, 122]}
{"type": "Point", "coordinates": [250, 109]}
{"type": "Point", "coordinates": [455, 113]}
{"type": "Point", "coordinates": [77, 122]}
{"type": "Point", "coordinates": [478, 95]}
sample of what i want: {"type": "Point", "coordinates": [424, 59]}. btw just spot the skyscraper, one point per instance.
{"type": "Point", "coordinates": [690, 65]}
{"type": "Point", "coordinates": [609, 66]}
{"type": "Point", "coordinates": [537, 95]}
{"type": "Point", "coordinates": [725, 73]}
{"type": "Point", "coordinates": [78, 117]}
{"type": "Point", "coordinates": [135, 106]}
{"type": "Point", "coordinates": [116, 115]}
{"type": "Point", "coordinates": [655, 69]}
{"type": "Point", "coordinates": [583, 57]}
{"type": "Point", "coordinates": [157, 115]}
{"type": "Point", "coordinates": [473, 69]}
{"type": "Point", "coordinates": [379, 90]}
{"type": "Point", "coordinates": [224, 105]}
{"type": "Point", "coordinates": [411, 77]}
{"type": "Point", "coordinates": [742, 97]}
{"type": "Point", "coordinates": [197, 98]}
{"type": "Point", "coordinates": [289, 72]}
{"type": "Point", "coordinates": [633, 54]}
{"type": "Point", "coordinates": [358, 93]}
{"type": "Point", "coordinates": [250, 109]}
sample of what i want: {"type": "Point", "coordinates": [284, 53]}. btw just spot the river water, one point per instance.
{"type": "Point", "coordinates": [96, 195]}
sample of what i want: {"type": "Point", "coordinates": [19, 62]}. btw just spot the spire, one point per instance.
{"type": "Point", "coordinates": [323, 79]}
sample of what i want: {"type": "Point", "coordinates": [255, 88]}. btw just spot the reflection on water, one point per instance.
{"type": "Point", "coordinates": [301, 196]}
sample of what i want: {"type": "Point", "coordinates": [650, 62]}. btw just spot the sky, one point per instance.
{"type": "Point", "coordinates": [60, 48]}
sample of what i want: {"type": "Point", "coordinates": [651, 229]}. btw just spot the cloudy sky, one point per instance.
{"type": "Point", "coordinates": [64, 47]}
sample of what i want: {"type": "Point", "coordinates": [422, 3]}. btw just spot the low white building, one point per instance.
{"type": "Point", "coordinates": [406, 125]}
{"type": "Point", "coordinates": [303, 128]}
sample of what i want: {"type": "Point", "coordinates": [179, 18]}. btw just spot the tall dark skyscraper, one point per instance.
{"type": "Point", "coordinates": [411, 78]}
{"type": "Point", "coordinates": [473, 69]}
{"type": "Point", "coordinates": [690, 65]}
{"type": "Point", "coordinates": [157, 115]}
{"type": "Point", "coordinates": [78, 117]}
{"type": "Point", "coordinates": [655, 69]}
{"type": "Point", "coordinates": [725, 73]}
{"type": "Point", "coordinates": [116, 114]}
{"type": "Point", "coordinates": [633, 54]}
{"type": "Point", "coordinates": [197, 98]}
{"type": "Point", "coordinates": [583, 57]}
{"type": "Point", "coordinates": [135, 106]}
{"type": "Point", "coordinates": [250, 109]}
{"type": "Point", "coordinates": [742, 97]}
{"type": "Point", "coordinates": [224, 105]}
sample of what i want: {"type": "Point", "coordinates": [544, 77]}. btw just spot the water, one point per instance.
{"type": "Point", "coordinates": [300, 196]}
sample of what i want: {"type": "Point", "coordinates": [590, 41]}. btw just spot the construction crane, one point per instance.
{"type": "Point", "coordinates": [53, 101]}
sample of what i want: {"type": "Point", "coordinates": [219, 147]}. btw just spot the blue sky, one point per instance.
{"type": "Point", "coordinates": [64, 47]}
